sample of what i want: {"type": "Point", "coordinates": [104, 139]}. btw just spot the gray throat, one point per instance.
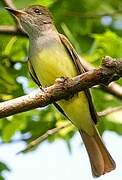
{"type": "Point", "coordinates": [43, 39]}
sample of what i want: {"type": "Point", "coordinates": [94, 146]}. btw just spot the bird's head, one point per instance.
{"type": "Point", "coordinates": [32, 18]}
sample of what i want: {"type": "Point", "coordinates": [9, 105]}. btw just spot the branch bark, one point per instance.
{"type": "Point", "coordinates": [114, 89]}
{"type": "Point", "coordinates": [13, 30]}
{"type": "Point", "coordinates": [63, 88]}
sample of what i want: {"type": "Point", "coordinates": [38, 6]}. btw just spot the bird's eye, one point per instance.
{"type": "Point", "coordinates": [37, 11]}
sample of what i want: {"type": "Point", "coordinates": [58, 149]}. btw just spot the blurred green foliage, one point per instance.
{"type": "Point", "coordinates": [92, 32]}
{"type": "Point", "coordinates": [3, 168]}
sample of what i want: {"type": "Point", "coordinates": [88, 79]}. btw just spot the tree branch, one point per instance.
{"type": "Point", "coordinates": [114, 89]}
{"type": "Point", "coordinates": [63, 88]}
{"type": "Point", "coordinates": [13, 30]}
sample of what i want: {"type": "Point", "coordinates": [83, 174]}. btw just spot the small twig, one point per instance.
{"type": "Point", "coordinates": [114, 89]}
{"type": "Point", "coordinates": [44, 137]}
{"type": "Point", "coordinates": [109, 111]}
{"type": "Point", "coordinates": [53, 131]}
{"type": "Point", "coordinates": [11, 30]}
{"type": "Point", "coordinates": [57, 129]}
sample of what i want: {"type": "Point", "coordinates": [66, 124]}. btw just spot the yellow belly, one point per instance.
{"type": "Point", "coordinates": [50, 64]}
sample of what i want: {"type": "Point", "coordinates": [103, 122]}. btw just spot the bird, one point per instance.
{"type": "Point", "coordinates": [51, 56]}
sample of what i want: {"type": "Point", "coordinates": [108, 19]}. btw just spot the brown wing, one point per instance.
{"type": "Point", "coordinates": [76, 59]}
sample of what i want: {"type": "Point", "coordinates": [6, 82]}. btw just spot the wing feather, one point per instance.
{"type": "Point", "coordinates": [81, 69]}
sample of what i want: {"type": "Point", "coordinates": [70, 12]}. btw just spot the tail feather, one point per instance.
{"type": "Point", "coordinates": [100, 159]}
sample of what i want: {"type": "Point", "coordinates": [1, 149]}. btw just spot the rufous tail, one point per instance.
{"type": "Point", "coordinates": [100, 159]}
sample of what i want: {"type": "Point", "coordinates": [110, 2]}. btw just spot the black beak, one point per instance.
{"type": "Point", "coordinates": [15, 12]}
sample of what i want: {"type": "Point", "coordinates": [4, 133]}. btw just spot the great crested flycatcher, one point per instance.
{"type": "Point", "coordinates": [52, 56]}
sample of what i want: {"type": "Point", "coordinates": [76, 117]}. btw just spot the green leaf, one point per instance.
{"type": "Point", "coordinates": [4, 167]}
{"type": "Point", "coordinates": [17, 123]}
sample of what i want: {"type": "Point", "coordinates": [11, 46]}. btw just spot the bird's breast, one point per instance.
{"type": "Point", "coordinates": [51, 63]}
